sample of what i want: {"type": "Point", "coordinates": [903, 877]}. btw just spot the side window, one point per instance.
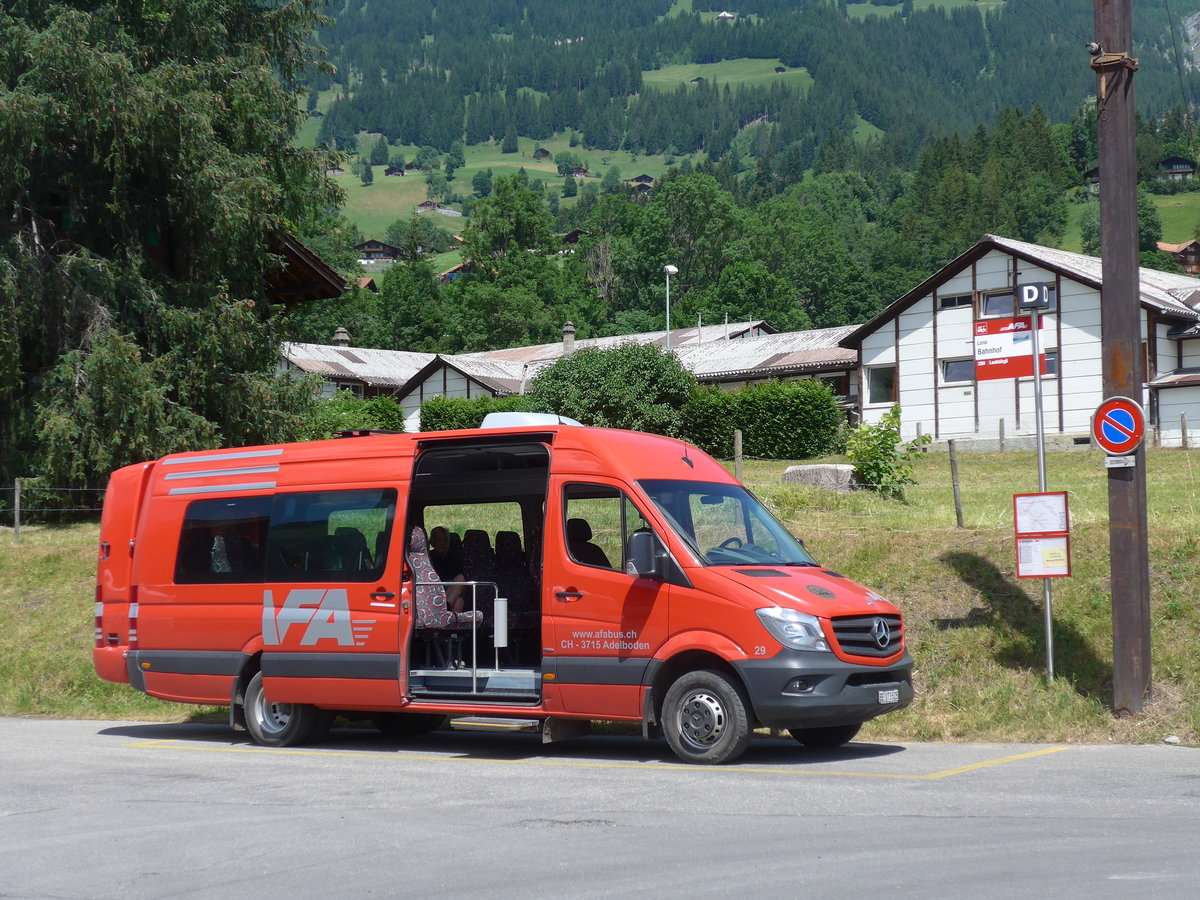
{"type": "Point", "coordinates": [999, 304]}
{"type": "Point", "coordinates": [223, 541]}
{"type": "Point", "coordinates": [881, 384]}
{"type": "Point", "coordinates": [330, 535]}
{"type": "Point", "coordinates": [1051, 363]}
{"type": "Point", "coordinates": [955, 301]}
{"type": "Point", "coordinates": [1004, 304]}
{"type": "Point", "coordinates": [958, 370]}
{"type": "Point", "coordinates": [599, 519]}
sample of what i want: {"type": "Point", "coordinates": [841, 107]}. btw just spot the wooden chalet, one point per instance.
{"type": "Point", "coordinates": [1186, 254]}
{"type": "Point", "coordinates": [377, 251]}
{"type": "Point", "coordinates": [1176, 168]}
{"type": "Point", "coordinates": [572, 237]}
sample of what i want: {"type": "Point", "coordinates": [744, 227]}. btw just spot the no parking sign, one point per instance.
{"type": "Point", "coordinates": [1118, 426]}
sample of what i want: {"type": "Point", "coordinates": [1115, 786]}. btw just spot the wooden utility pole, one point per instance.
{"type": "Point", "coordinates": [1121, 339]}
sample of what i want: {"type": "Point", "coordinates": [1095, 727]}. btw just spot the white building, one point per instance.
{"type": "Point", "coordinates": [926, 350]}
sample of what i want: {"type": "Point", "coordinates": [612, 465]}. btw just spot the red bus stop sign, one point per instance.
{"type": "Point", "coordinates": [1118, 426]}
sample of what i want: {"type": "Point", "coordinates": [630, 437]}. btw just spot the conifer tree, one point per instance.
{"type": "Point", "coordinates": [148, 174]}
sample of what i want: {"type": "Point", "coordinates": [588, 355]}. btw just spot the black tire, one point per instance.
{"type": "Point", "coordinates": [828, 738]}
{"type": "Point", "coordinates": [407, 724]}
{"type": "Point", "coordinates": [705, 718]}
{"type": "Point", "coordinates": [278, 724]}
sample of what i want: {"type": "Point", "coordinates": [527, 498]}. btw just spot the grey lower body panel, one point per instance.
{"type": "Point", "coordinates": [181, 662]}
{"type": "Point", "coordinates": [833, 692]}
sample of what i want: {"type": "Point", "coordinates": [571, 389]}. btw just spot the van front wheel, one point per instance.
{"type": "Point", "coordinates": [277, 724]}
{"type": "Point", "coordinates": [705, 718]}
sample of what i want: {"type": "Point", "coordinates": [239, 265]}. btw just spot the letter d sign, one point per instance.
{"type": "Point", "coordinates": [1032, 296]}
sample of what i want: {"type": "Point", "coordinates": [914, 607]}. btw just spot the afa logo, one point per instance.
{"type": "Point", "coordinates": [320, 613]}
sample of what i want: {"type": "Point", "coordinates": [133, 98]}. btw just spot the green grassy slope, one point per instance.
{"type": "Point", "coordinates": [373, 207]}
{"type": "Point", "coordinates": [733, 72]}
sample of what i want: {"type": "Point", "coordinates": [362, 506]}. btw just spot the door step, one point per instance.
{"type": "Point", "coordinates": [489, 723]}
{"type": "Point", "coordinates": [550, 729]}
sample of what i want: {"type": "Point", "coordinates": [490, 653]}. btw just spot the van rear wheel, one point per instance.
{"type": "Point", "coordinates": [278, 724]}
{"type": "Point", "coordinates": [705, 718]}
{"type": "Point", "coordinates": [829, 738]}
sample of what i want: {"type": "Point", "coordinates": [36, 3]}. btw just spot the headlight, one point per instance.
{"type": "Point", "coordinates": [792, 628]}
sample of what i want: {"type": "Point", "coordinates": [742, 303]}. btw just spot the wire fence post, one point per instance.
{"type": "Point", "coordinates": [958, 510]}
{"type": "Point", "coordinates": [737, 453]}
{"type": "Point", "coordinates": [16, 511]}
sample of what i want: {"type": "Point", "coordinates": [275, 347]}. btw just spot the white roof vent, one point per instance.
{"type": "Point", "coordinates": [524, 420]}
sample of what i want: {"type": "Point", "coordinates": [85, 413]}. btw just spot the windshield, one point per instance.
{"type": "Point", "coordinates": [725, 524]}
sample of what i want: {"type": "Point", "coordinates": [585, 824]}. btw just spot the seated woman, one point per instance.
{"type": "Point", "coordinates": [448, 566]}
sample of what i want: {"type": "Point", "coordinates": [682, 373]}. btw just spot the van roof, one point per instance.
{"type": "Point", "coordinates": [586, 451]}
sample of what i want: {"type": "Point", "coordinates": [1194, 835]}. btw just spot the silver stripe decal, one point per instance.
{"type": "Point", "coordinates": [221, 473]}
{"type": "Point", "coordinates": [225, 488]}
{"type": "Point", "coordinates": [99, 609]}
{"type": "Point", "coordinates": [133, 610]}
{"type": "Point", "coordinates": [213, 457]}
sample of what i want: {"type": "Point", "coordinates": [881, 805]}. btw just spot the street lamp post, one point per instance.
{"type": "Point", "coordinates": [670, 270]}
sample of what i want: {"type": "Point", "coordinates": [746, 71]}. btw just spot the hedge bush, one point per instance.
{"type": "Point", "coordinates": [708, 421]}
{"type": "Point", "coordinates": [778, 419]}
{"type": "Point", "coordinates": [453, 413]}
{"type": "Point", "coordinates": [345, 412]}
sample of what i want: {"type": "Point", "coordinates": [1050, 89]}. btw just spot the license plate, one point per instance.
{"type": "Point", "coordinates": [892, 696]}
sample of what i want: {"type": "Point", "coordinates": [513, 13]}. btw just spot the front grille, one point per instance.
{"type": "Point", "coordinates": [872, 679]}
{"type": "Point", "coordinates": [856, 635]}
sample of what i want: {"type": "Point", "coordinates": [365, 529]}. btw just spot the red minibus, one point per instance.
{"type": "Point", "coordinates": [577, 574]}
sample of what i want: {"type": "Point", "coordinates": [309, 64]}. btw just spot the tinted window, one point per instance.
{"type": "Point", "coordinates": [330, 535]}
{"type": "Point", "coordinates": [223, 541]}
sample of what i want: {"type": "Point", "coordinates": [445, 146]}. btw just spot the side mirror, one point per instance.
{"type": "Point", "coordinates": [644, 556]}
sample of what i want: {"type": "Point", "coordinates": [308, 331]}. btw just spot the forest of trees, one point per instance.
{"type": "Point", "coordinates": [427, 73]}
{"type": "Point", "coordinates": [799, 248]}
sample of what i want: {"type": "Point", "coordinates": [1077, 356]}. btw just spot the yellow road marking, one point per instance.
{"type": "Point", "coordinates": [994, 762]}
{"type": "Point", "coordinates": [567, 763]}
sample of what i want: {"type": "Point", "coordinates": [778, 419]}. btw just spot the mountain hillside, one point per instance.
{"type": "Point", "coordinates": [428, 73]}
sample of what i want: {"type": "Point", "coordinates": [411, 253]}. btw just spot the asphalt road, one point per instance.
{"type": "Point", "coordinates": [124, 810]}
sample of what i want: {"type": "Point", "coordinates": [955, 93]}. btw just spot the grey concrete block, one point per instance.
{"type": "Point", "coordinates": [833, 477]}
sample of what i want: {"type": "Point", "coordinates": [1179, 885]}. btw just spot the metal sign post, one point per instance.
{"type": "Point", "coordinates": [1035, 297]}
